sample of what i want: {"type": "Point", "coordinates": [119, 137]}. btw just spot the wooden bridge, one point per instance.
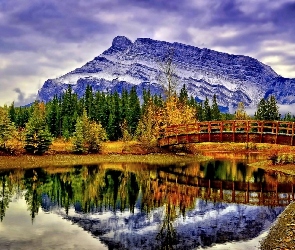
{"type": "Point", "coordinates": [275, 132]}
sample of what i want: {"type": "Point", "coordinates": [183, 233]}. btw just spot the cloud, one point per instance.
{"type": "Point", "coordinates": [41, 39]}
{"type": "Point", "coordinates": [22, 99]}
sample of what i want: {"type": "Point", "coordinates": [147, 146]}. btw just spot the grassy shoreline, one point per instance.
{"type": "Point", "coordinates": [134, 152]}
{"type": "Point", "coordinates": [31, 161]}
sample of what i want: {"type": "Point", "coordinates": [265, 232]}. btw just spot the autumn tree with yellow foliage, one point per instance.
{"type": "Point", "coordinates": [240, 113]}
{"type": "Point", "coordinates": [155, 118]}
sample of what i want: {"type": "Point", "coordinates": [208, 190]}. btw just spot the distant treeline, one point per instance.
{"type": "Point", "coordinates": [111, 110]}
{"type": "Point", "coordinates": [99, 116]}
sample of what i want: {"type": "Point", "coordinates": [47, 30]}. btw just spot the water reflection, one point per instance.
{"type": "Point", "coordinates": [141, 206]}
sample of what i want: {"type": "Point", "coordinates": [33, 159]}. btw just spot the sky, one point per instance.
{"type": "Point", "coordinates": [44, 39]}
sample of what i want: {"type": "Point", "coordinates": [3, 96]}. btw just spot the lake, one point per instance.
{"type": "Point", "coordinates": [218, 204]}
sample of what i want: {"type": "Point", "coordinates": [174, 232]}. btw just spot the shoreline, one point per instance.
{"type": "Point", "coordinates": [281, 235]}
{"type": "Point", "coordinates": [60, 160]}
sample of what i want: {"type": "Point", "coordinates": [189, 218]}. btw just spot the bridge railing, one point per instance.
{"type": "Point", "coordinates": [261, 128]}
{"type": "Point", "coordinates": [250, 126]}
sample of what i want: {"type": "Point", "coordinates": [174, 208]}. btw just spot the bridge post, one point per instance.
{"type": "Point", "coordinates": [221, 131]}
{"type": "Point", "coordinates": [277, 131]}
{"type": "Point", "coordinates": [261, 133]}
{"type": "Point", "coordinates": [292, 134]}
{"type": "Point", "coordinates": [234, 130]}
{"type": "Point", "coordinates": [186, 132]}
{"type": "Point", "coordinates": [209, 131]}
{"type": "Point", "coordinates": [247, 129]}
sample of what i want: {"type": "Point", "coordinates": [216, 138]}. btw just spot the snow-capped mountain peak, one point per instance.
{"type": "Point", "coordinates": [233, 78]}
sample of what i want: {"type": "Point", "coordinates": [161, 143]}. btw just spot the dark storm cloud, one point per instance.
{"type": "Point", "coordinates": [228, 12]}
{"type": "Point", "coordinates": [63, 20]}
{"type": "Point", "coordinates": [48, 38]}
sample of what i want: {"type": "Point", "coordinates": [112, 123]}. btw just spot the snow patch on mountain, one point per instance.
{"type": "Point", "coordinates": [233, 78]}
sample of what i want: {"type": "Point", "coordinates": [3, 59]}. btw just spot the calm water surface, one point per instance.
{"type": "Point", "coordinates": [221, 204]}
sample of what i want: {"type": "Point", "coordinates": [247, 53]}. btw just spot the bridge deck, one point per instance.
{"type": "Point", "coordinates": [275, 132]}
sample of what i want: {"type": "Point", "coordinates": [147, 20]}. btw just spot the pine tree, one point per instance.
{"type": "Point", "coordinates": [6, 128]}
{"type": "Point", "coordinates": [38, 138]}
{"type": "Point", "coordinates": [215, 112]}
{"type": "Point", "coordinates": [199, 112]}
{"type": "Point", "coordinates": [88, 135]}
{"type": "Point", "coordinates": [124, 105]}
{"type": "Point", "coordinates": [12, 113]}
{"type": "Point", "coordinates": [261, 113]}
{"type": "Point", "coordinates": [288, 117]}
{"type": "Point", "coordinates": [207, 113]}
{"type": "Point", "coordinates": [22, 117]}
{"type": "Point", "coordinates": [53, 117]}
{"type": "Point", "coordinates": [146, 96]}
{"type": "Point", "coordinates": [88, 97]}
{"type": "Point", "coordinates": [69, 112]}
{"type": "Point", "coordinates": [133, 111]}
{"type": "Point", "coordinates": [78, 137]}
{"type": "Point", "coordinates": [114, 121]}
{"type": "Point", "coordinates": [273, 109]}
{"type": "Point", "coordinates": [183, 96]}
{"type": "Point", "coordinates": [267, 109]}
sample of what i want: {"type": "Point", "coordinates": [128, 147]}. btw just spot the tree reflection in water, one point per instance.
{"type": "Point", "coordinates": [167, 233]}
{"type": "Point", "coordinates": [141, 190]}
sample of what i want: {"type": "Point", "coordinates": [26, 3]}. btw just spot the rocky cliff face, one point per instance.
{"type": "Point", "coordinates": [233, 78]}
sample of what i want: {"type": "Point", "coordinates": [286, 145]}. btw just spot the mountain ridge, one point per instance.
{"type": "Point", "coordinates": [233, 78]}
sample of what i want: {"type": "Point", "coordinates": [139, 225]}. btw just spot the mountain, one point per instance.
{"type": "Point", "coordinates": [233, 78]}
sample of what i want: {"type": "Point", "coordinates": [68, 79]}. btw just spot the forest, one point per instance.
{"type": "Point", "coordinates": [97, 116]}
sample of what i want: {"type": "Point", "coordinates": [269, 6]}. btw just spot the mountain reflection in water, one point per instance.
{"type": "Point", "coordinates": [136, 206]}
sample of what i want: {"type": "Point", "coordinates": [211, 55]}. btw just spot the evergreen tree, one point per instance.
{"type": "Point", "coordinates": [146, 96]}
{"type": "Point", "coordinates": [69, 112]}
{"type": "Point", "coordinates": [104, 109]}
{"type": "Point", "coordinates": [288, 117]}
{"type": "Point", "coordinates": [53, 117]}
{"type": "Point", "coordinates": [12, 113]}
{"type": "Point", "coordinates": [267, 110]}
{"type": "Point", "coordinates": [6, 128]}
{"type": "Point", "coordinates": [215, 112]}
{"type": "Point", "coordinates": [133, 111]}
{"type": "Point", "coordinates": [207, 113]}
{"type": "Point", "coordinates": [273, 109]}
{"type": "Point", "coordinates": [124, 108]}
{"type": "Point", "coordinates": [22, 117]}
{"type": "Point", "coordinates": [38, 138]}
{"type": "Point", "coordinates": [88, 97]}
{"type": "Point", "coordinates": [114, 121]}
{"type": "Point", "coordinates": [261, 113]}
{"type": "Point", "coordinates": [88, 135]}
{"type": "Point", "coordinates": [199, 112]}
{"type": "Point", "coordinates": [78, 137]}
{"type": "Point", "coordinates": [183, 96]}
